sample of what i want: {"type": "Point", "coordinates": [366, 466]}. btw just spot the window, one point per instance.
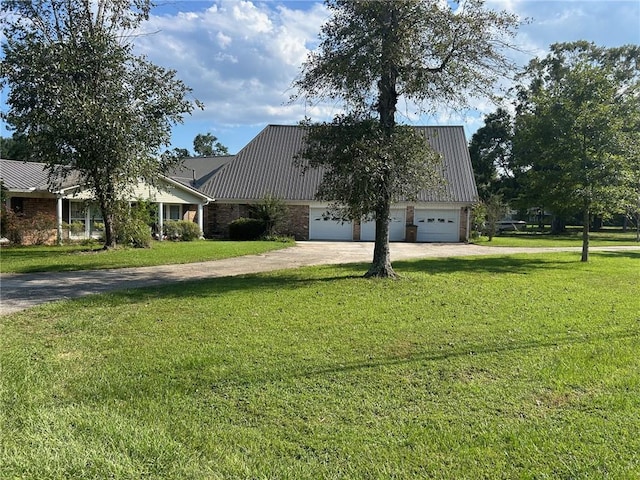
{"type": "Point", "coordinates": [173, 212]}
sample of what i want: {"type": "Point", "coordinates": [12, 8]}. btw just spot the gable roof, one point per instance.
{"type": "Point", "coordinates": [21, 176]}
{"type": "Point", "coordinates": [194, 172]}
{"type": "Point", "coordinates": [27, 177]}
{"type": "Point", "coordinates": [266, 166]}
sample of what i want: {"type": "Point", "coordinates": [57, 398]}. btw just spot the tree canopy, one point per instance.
{"type": "Point", "coordinates": [577, 129]}
{"type": "Point", "coordinates": [371, 54]}
{"type": "Point", "coordinates": [84, 102]}
{"type": "Point", "coordinates": [207, 145]}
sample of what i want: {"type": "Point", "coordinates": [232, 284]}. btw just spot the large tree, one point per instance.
{"type": "Point", "coordinates": [207, 145]}
{"type": "Point", "coordinates": [491, 154]}
{"type": "Point", "coordinates": [85, 103]}
{"type": "Point", "coordinates": [577, 129]}
{"type": "Point", "coordinates": [372, 53]}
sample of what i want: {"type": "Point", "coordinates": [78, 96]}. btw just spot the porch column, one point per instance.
{"type": "Point", "coordinates": [160, 220]}
{"type": "Point", "coordinates": [200, 219]}
{"type": "Point", "coordinates": [59, 220]}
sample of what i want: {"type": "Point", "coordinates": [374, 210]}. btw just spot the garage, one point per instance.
{"type": "Point", "coordinates": [437, 225]}
{"type": "Point", "coordinates": [397, 227]}
{"type": "Point", "coordinates": [322, 226]}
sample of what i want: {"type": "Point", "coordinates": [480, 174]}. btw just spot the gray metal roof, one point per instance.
{"type": "Point", "coordinates": [267, 166]}
{"type": "Point", "coordinates": [19, 176]}
{"type": "Point", "coordinates": [196, 171]}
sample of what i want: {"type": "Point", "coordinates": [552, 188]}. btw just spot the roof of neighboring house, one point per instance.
{"type": "Point", "coordinates": [21, 176]}
{"type": "Point", "coordinates": [267, 166]}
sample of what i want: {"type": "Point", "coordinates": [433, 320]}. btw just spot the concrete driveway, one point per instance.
{"type": "Point", "coordinates": [21, 291]}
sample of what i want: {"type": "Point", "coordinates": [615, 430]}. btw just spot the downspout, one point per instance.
{"type": "Point", "coordinates": [468, 224]}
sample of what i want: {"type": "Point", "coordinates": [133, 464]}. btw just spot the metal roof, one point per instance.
{"type": "Point", "coordinates": [20, 176]}
{"type": "Point", "coordinates": [267, 166]}
{"type": "Point", "coordinates": [196, 171]}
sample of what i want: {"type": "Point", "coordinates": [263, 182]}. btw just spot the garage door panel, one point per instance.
{"type": "Point", "coordinates": [397, 227]}
{"type": "Point", "coordinates": [437, 225]}
{"type": "Point", "coordinates": [322, 226]}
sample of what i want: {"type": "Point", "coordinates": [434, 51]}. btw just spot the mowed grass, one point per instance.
{"type": "Point", "coordinates": [607, 237]}
{"type": "Point", "coordinates": [79, 257]}
{"type": "Point", "coordinates": [479, 367]}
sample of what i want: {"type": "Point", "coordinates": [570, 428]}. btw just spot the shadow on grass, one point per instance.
{"type": "Point", "coordinates": [299, 278]}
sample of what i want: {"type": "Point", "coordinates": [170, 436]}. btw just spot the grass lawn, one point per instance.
{"type": "Point", "coordinates": [78, 257]}
{"type": "Point", "coordinates": [479, 367]}
{"type": "Point", "coordinates": [573, 238]}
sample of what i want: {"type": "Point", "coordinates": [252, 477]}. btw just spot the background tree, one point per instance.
{"type": "Point", "coordinates": [83, 101]}
{"type": "Point", "coordinates": [572, 129]}
{"type": "Point", "coordinates": [374, 52]}
{"type": "Point", "coordinates": [207, 145]}
{"type": "Point", "coordinates": [491, 151]}
{"type": "Point", "coordinates": [15, 148]}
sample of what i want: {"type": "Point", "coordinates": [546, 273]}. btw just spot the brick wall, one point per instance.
{"type": "Point", "coordinates": [297, 224]}
{"type": "Point", "coordinates": [37, 220]}
{"type": "Point", "coordinates": [218, 216]}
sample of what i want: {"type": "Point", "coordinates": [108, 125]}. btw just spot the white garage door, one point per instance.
{"type": "Point", "coordinates": [323, 227]}
{"type": "Point", "coordinates": [397, 227]}
{"type": "Point", "coordinates": [438, 225]}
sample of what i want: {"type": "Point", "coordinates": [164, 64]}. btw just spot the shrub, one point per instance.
{"type": "Point", "coordinates": [181, 230]}
{"type": "Point", "coordinates": [132, 224]}
{"type": "Point", "coordinates": [36, 230]}
{"type": "Point", "coordinates": [246, 229]}
{"type": "Point", "coordinates": [272, 211]}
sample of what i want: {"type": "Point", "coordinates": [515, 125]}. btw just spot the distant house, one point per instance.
{"type": "Point", "coordinates": [266, 166]}
{"type": "Point", "coordinates": [214, 191]}
{"type": "Point", "coordinates": [28, 193]}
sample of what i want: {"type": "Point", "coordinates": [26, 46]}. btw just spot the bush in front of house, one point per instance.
{"type": "Point", "coordinates": [181, 230]}
{"type": "Point", "coordinates": [246, 229]}
{"type": "Point", "coordinates": [132, 224]}
{"type": "Point", "coordinates": [39, 229]}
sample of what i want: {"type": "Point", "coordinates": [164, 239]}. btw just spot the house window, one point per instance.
{"type": "Point", "coordinates": [17, 204]}
{"type": "Point", "coordinates": [77, 214]}
{"type": "Point", "coordinates": [172, 212]}
{"type": "Point", "coordinates": [80, 213]}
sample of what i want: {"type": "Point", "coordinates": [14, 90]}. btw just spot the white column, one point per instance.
{"type": "Point", "coordinates": [59, 220]}
{"type": "Point", "coordinates": [87, 221]}
{"type": "Point", "coordinates": [200, 219]}
{"type": "Point", "coordinates": [160, 220]}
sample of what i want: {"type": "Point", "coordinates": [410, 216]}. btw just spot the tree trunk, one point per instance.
{"type": "Point", "coordinates": [585, 236]}
{"type": "Point", "coordinates": [381, 265]}
{"type": "Point", "coordinates": [387, 101]}
{"type": "Point", "coordinates": [109, 231]}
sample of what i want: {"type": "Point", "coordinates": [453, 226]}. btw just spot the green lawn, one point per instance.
{"type": "Point", "coordinates": [78, 257]}
{"type": "Point", "coordinates": [479, 367]}
{"type": "Point", "coordinates": [573, 238]}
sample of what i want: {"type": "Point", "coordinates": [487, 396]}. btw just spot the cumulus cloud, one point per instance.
{"type": "Point", "coordinates": [240, 57]}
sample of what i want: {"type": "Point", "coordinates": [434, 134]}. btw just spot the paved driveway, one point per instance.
{"type": "Point", "coordinates": [21, 291]}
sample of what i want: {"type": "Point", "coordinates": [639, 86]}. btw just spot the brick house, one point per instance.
{"type": "Point", "coordinates": [28, 193]}
{"type": "Point", "coordinates": [266, 166]}
{"type": "Point", "coordinates": [214, 191]}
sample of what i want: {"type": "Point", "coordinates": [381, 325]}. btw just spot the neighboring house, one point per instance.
{"type": "Point", "coordinates": [266, 166]}
{"type": "Point", "coordinates": [28, 193]}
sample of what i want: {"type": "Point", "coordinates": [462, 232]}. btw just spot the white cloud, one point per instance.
{"type": "Point", "coordinates": [241, 56]}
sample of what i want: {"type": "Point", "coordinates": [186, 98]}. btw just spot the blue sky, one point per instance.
{"type": "Point", "coordinates": [241, 56]}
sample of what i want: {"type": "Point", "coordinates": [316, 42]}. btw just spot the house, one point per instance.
{"type": "Point", "coordinates": [266, 166]}
{"type": "Point", "coordinates": [27, 191]}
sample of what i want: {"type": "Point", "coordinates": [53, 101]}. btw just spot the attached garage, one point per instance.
{"type": "Point", "coordinates": [397, 227]}
{"type": "Point", "coordinates": [437, 225]}
{"type": "Point", "coordinates": [322, 226]}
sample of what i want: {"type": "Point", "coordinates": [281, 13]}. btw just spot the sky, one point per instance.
{"type": "Point", "coordinates": [240, 57]}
